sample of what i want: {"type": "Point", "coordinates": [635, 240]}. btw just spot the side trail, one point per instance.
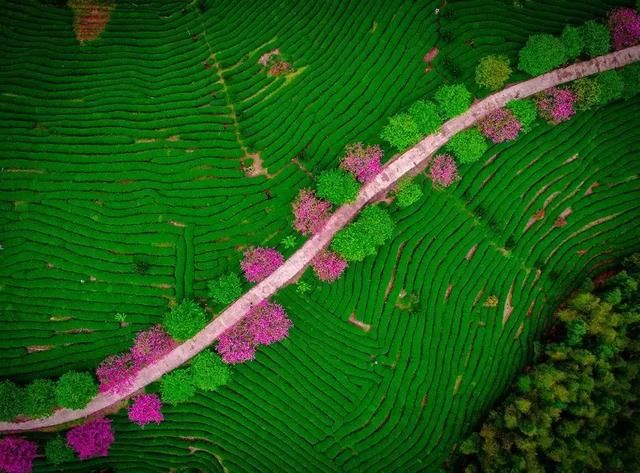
{"type": "Point", "coordinates": [411, 162]}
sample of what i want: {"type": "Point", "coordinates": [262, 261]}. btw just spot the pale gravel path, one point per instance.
{"type": "Point", "coordinates": [410, 162]}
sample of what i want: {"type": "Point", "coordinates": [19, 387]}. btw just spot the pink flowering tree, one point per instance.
{"type": "Point", "coordinates": [500, 125]}
{"type": "Point", "coordinates": [310, 212]}
{"type": "Point", "coordinates": [265, 323]}
{"type": "Point", "coordinates": [116, 372]}
{"type": "Point", "coordinates": [90, 17]}
{"type": "Point", "coordinates": [258, 263]}
{"type": "Point", "coordinates": [364, 163]}
{"type": "Point", "coordinates": [624, 24]}
{"type": "Point", "coordinates": [556, 105]}
{"type": "Point", "coordinates": [91, 439]}
{"type": "Point", "coordinates": [146, 408]}
{"type": "Point", "coordinates": [150, 345]}
{"type": "Point", "coordinates": [17, 454]}
{"type": "Point", "coordinates": [328, 266]}
{"type": "Point", "coordinates": [443, 170]}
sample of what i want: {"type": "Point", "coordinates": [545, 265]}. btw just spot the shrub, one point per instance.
{"type": "Point", "coordinates": [258, 263]}
{"type": "Point", "coordinates": [184, 320]}
{"type": "Point", "coordinates": [364, 163]}
{"type": "Point", "coordinates": [587, 91]}
{"type": "Point", "coordinates": [407, 193]}
{"type": "Point", "coordinates": [541, 54]}
{"type": "Point", "coordinates": [337, 187]}
{"type": "Point", "coordinates": [572, 40]}
{"type": "Point", "coordinates": [116, 373]}
{"type": "Point", "coordinates": [328, 266]}
{"type": "Point", "coordinates": [235, 347]}
{"type": "Point", "coordinates": [10, 400]}
{"type": "Point", "coordinates": [624, 24]}
{"type": "Point", "coordinates": [177, 386]}
{"type": "Point", "coordinates": [57, 451]}
{"type": "Point", "coordinates": [151, 345]}
{"type": "Point", "coordinates": [493, 71]}
{"type": "Point", "coordinates": [631, 79]}
{"type": "Point", "coordinates": [556, 105]}
{"type": "Point", "coordinates": [525, 112]}
{"type": "Point", "coordinates": [360, 239]}
{"type": "Point", "coordinates": [310, 212]}
{"type": "Point", "coordinates": [226, 289]}
{"type": "Point", "coordinates": [443, 170]}
{"type": "Point", "coordinates": [146, 408]}
{"type": "Point", "coordinates": [596, 38]}
{"type": "Point", "coordinates": [611, 86]}
{"type": "Point", "coordinates": [74, 390]}
{"type": "Point", "coordinates": [401, 132]}
{"type": "Point", "coordinates": [452, 100]}
{"type": "Point", "coordinates": [500, 125]}
{"type": "Point", "coordinates": [39, 398]}
{"type": "Point", "coordinates": [91, 439]}
{"type": "Point", "coordinates": [17, 454]}
{"type": "Point", "coordinates": [426, 117]}
{"type": "Point", "coordinates": [468, 145]}
{"type": "Point", "coordinates": [90, 17]}
{"type": "Point", "coordinates": [209, 372]}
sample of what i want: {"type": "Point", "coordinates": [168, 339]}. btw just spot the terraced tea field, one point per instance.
{"type": "Point", "coordinates": [137, 167]}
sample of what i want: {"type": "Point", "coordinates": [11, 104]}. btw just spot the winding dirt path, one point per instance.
{"type": "Point", "coordinates": [410, 162]}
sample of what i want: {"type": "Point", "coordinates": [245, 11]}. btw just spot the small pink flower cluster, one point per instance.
{"type": "Point", "coordinates": [265, 323]}
{"type": "Point", "coordinates": [17, 454]}
{"type": "Point", "coordinates": [258, 263]}
{"type": "Point", "coordinates": [310, 212]}
{"type": "Point", "coordinates": [443, 170]}
{"type": "Point", "coordinates": [90, 18]}
{"type": "Point", "coordinates": [556, 105]}
{"type": "Point", "coordinates": [266, 57]}
{"type": "Point", "coordinates": [91, 439]}
{"type": "Point", "coordinates": [145, 409]}
{"type": "Point", "coordinates": [152, 344]}
{"type": "Point", "coordinates": [363, 163]}
{"type": "Point", "coordinates": [328, 266]}
{"type": "Point", "coordinates": [624, 24]}
{"type": "Point", "coordinates": [500, 125]}
{"type": "Point", "coordinates": [117, 372]}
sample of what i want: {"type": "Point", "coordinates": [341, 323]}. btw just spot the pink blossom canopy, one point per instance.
{"type": "Point", "coordinates": [443, 170]}
{"type": "Point", "coordinates": [556, 105]}
{"type": "Point", "coordinates": [150, 345]}
{"type": "Point", "coordinates": [363, 163]}
{"type": "Point", "coordinates": [146, 408]}
{"type": "Point", "coordinates": [500, 125]}
{"type": "Point", "coordinates": [310, 212]}
{"type": "Point", "coordinates": [624, 24]}
{"type": "Point", "coordinates": [258, 263]}
{"type": "Point", "coordinates": [91, 439]}
{"type": "Point", "coordinates": [117, 372]}
{"type": "Point", "coordinates": [328, 266]}
{"type": "Point", "coordinates": [17, 454]}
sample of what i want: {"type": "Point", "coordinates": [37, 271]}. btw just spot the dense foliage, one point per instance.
{"type": "Point", "coordinates": [555, 104]}
{"type": "Point", "coordinates": [145, 409]}
{"type": "Point", "coordinates": [91, 439]}
{"type": "Point", "coordinates": [407, 193]}
{"type": "Point", "coordinates": [57, 451]}
{"type": "Point", "coordinates": [596, 38]}
{"type": "Point", "coordinates": [493, 71]}
{"type": "Point", "coordinates": [116, 372]}
{"type": "Point", "coordinates": [611, 86]}
{"type": "Point", "coordinates": [576, 408]}
{"type": "Point", "coordinates": [360, 239]}
{"type": "Point", "coordinates": [209, 372]}
{"type": "Point", "coordinates": [525, 111]}
{"type": "Point", "coordinates": [363, 162]}
{"type": "Point", "coordinates": [624, 24]}
{"type": "Point", "coordinates": [572, 40]}
{"type": "Point", "coordinates": [452, 100]}
{"type": "Point", "coordinates": [258, 263]}
{"type": "Point", "coordinates": [468, 145]}
{"type": "Point", "coordinates": [184, 320]}
{"type": "Point", "coordinates": [500, 125]}
{"type": "Point", "coordinates": [226, 289]}
{"type": "Point", "coordinates": [177, 386]}
{"type": "Point", "coordinates": [151, 344]}
{"type": "Point", "coordinates": [542, 53]}
{"type": "Point", "coordinates": [401, 132]}
{"type": "Point", "coordinates": [443, 171]}
{"type": "Point", "coordinates": [426, 116]}
{"type": "Point", "coordinates": [10, 400]}
{"type": "Point", "coordinates": [39, 398]}
{"type": "Point", "coordinates": [74, 390]}
{"type": "Point", "coordinates": [17, 455]}
{"type": "Point", "coordinates": [337, 186]}
{"type": "Point", "coordinates": [587, 92]}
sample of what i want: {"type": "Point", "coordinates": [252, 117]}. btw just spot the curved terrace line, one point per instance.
{"type": "Point", "coordinates": [410, 162]}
